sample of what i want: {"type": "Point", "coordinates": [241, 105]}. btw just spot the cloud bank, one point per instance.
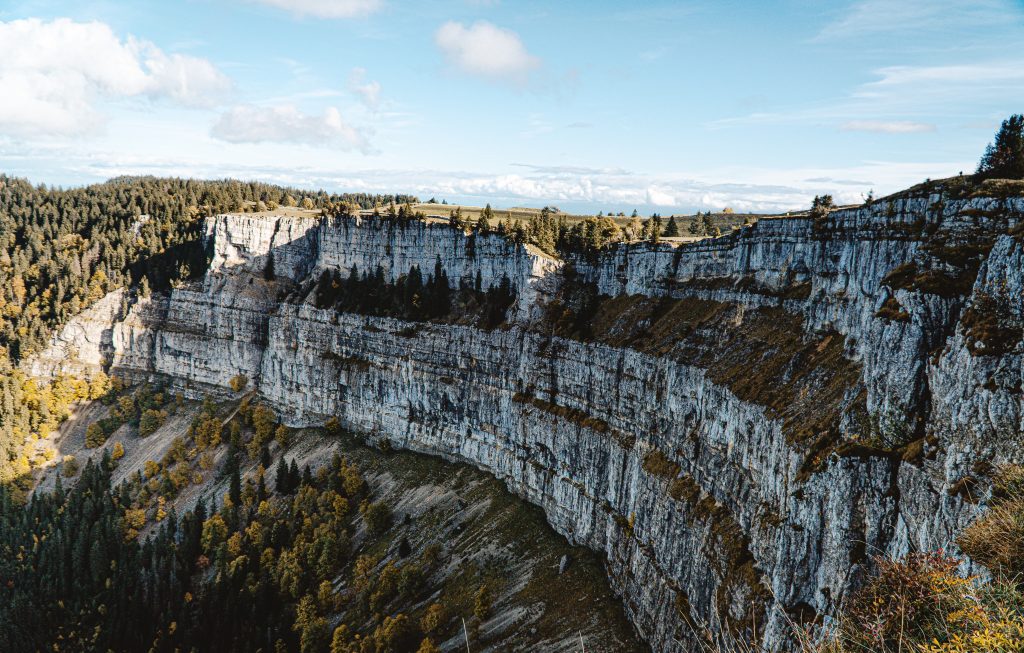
{"type": "Point", "coordinates": [54, 73]}
{"type": "Point", "coordinates": [287, 124]}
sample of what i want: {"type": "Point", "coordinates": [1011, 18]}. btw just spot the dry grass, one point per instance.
{"type": "Point", "coordinates": [996, 539]}
{"type": "Point", "coordinates": [921, 605]}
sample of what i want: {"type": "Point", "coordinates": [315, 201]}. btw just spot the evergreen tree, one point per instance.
{"type": "Point", "coordinates": [655, 229]}
{"type": "Point", "coordinates": [1004, 158]}
{"type": "Point", "coordinates": [672, 229]}
{"type": "Point", "coordinates": [484, 223]}
{"type": "Point", "coordinates": [696, 227]}
{"type": "Point", "coordinates": [281, 479]}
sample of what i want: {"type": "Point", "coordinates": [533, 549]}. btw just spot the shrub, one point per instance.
{"type": "Point", "coordinates": [989, 327]}
{"type": "Point", "coordinates": [482, 603]}
{"type": "Point", "coordinates": [94, 436]}
{"type": "Point", "coordinates": [893, 311]}
{"type": "Point", "coordinates": [428, 646]}
{"type": "Point", "coordinates": [69, 467]}
{"type": "Point", "coordinates": [378, 518]}
{"type": "Point", "coordinates": [921, 604]}
{"type": "Point", "coordinates": [150, 421]}
{"type": "Point", "coordinates": [263, 421]}
{"type": "Point", "coordinates": [396, 634]}
{"type": "Point", "coordinates": [434, 619]}
{"type": "Point", "coordinates": [282, 435]}
{"type": "Point", "coordinates": [118, 452]}
{"type": "Point", "coordinates": [238, 382]}
{"type": "Point", "coordinates": [821, 206]}
{"type": "Point", "coordinates": [333, 427]}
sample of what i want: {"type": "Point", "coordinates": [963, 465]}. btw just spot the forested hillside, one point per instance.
{"type": "Point", "coordinates": [281, 555]}
{"type": "Point", "coordinates": [61, 250]}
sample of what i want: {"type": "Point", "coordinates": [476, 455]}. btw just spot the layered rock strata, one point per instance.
{"type": "Point", "coordinates": [877, 390]}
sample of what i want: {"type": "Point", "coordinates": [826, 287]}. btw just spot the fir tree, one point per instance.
{"type": "Point", "coordinates": [1004, 157]}
{"type": "Point", "coordinates": [672, 229]}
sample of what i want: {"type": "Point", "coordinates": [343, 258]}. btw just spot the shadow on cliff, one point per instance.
{"type": "Point", "coordinates": [186, 261]}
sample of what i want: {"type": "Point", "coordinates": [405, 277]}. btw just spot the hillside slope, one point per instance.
{"type": "Point", "coordinates": [418, 544]}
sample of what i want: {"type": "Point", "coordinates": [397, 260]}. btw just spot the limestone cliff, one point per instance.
{"type": "Point", "coordinates": [736, 424]}
{"type": "Point", "coordinates": [85, 343]}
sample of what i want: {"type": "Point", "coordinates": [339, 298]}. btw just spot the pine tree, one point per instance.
{"type": "Point", "coordinates": [1004, 158]}
{"type": "Point", "coordinates": [281, 479]}
{"type": "Point", "coordinates": [672, 229]}
{"type": "Point", "coordinates": [655, 229]}
{"type": "Point", "coordinates": [235, 486]}
{"type": "Point", "coordinates": [696, 227]}
{"type": "Point", "coordinates": [483, 225]}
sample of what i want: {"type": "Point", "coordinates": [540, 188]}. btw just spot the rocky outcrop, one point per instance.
{"type": "Point", "coordinates": [796, 397]}
{"type": "Point", "coordinates": [297, 249]}
{"type": "Point", "coordinates": [85, 344]}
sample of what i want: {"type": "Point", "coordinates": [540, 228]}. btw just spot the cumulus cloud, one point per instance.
{"type": "Point", "coordinates": [887, 126]}
{"type": "Point", "coordinates": [486, 50]}
{"type": "Point", "coordinates": [53, 73]}
{"type": "Point", "coordinates": [326, 8]}
{"type": "Point", "coordinates": [368, 91]}
{"type": "Point", "coordinates": [287, 124]}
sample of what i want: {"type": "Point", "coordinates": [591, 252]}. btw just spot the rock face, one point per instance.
{"type": "Point", "coordinates": [706, 489]}
{"type": "Point", "coordinates": [299, 248]}
{"type": "Point", "coordinates": [85, 344]}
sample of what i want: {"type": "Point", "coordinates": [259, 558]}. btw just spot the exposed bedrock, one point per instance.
{"type": "Point", "coordinates": [739, 427]}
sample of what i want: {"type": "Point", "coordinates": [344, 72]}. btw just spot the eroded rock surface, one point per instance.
{"type": "Point", "coordinates": [766, 412]}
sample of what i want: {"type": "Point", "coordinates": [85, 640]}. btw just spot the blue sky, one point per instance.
{"type": "Point", "coordinates": [593, 105]}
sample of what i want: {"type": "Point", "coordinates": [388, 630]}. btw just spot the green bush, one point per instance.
{"type": "Point", "coordinates": [95, 436]}
{"type": "Point", "coordinates": [150, 421]}
{"type": "Point", "coordinates": [378, 518]}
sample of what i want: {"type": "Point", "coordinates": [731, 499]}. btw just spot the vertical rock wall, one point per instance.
{"type": "Point", "coordinates": [707, 509]}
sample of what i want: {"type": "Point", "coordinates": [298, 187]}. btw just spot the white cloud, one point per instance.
{"type": "Point", "coordinates": [326, 8]}
{"type": "Point", "coordinates": [189, 80]}
{"type": "Point", "coordinates": [868, 17]}
{"type": "Point", "coordinates": [963, 74]}
{"type": "Point", "coordinates": [53, 73]}
{"type": "Point", "coordinates": [887, 126]}
{"type": "Point", "coordinates": [368, 92]}
{"type": "Point", "coordinates": [286, 124]}
{"type": "Point", "coordinates": [899, 94]}
{"type": "Point", "coordinates": [485, 50]}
